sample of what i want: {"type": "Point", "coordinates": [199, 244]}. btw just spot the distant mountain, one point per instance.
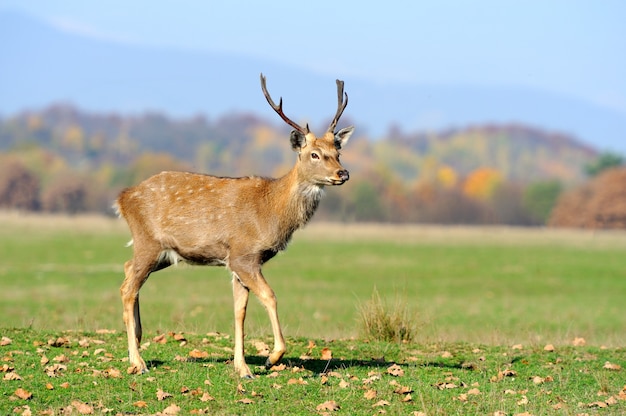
{"type": "Point", "coordinates": [41, 65]}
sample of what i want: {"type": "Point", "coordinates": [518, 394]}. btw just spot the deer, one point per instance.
{"type": "Point", "coordinates": [238, 223]}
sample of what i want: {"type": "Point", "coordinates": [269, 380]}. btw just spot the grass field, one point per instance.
{"type": "Point", "coordinates": [474, 293]}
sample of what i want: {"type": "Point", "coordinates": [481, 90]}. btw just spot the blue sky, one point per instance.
{"type": "Point", "coordinates": [575, 48]}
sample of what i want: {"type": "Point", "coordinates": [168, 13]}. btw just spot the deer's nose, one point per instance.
{"type": "Point", "coordinates": [343, 174]}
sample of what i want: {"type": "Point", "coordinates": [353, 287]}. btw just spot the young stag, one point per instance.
{"type": "Point", "coordinates": [239, 223]}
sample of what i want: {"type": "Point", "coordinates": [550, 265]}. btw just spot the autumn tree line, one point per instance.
{"type": "Point", "coordinates": [64, 160]}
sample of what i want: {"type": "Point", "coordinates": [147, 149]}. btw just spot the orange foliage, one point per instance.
{"type": "Point", "coordinates": [481, 183]}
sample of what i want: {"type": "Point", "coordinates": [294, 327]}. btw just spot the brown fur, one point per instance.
{"type": "Point", "coordinates": [239, 223]}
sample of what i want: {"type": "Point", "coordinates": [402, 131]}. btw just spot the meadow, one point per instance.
{"type": "Point", "coordinates": [508, 321]}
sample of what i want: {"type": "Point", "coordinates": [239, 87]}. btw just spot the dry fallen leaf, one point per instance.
{"type": "Point", "coordinates": [327, 354]}
{"type": "Point", "coordinates": [579, 342]}
{"type": "Point", "coordinates": [395, 370]}
{"type": "Point", "coordinates": [517, 347]}
{"type": "Point", "coordinates": [381, 403]}
{"type": "Point", "coordinates": [403, 390]}
{"type": "Point", "coordinates": [262, 349]}
{"type": "Point", "coordinates": [298, 381]}
{"type": "Point", "coordinates": [198, 354]}
{"type": "Point", "coordinates": [23, 394]}
{"type": "Point", "coordinates": [549, 348]}
{"type": "Point", "coordinates": [245, 400]}
{"type": "Point", "coordinates": [330, 405]}
{"type": "Point", "coordinates": [140, 404]}
{"type": "Point", "coordinates": [610, 366]}
{"type": "Point", "coordinates": [59, 342]}
{"type": "Point", "coordinates": [370, 394]}
{"type": "Point", "coordinates": [82, 408]}
{"type": "Point", "coordinates": [160, 339]}
{"type": "Point", "coordinates": [12, 376]}
{"type": "Point", "coordinates": [172, 409]}
{"type": "Point", "coordinates": [344, 384]}
{"type": "Point", "coordinates": [206, 397]}
{"type": "Point", "coordinates": [162, 395]}
{"type": "Point", "coordinates": [5, 341]}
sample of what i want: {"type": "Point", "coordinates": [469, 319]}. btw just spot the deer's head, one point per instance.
{"type": "Point", "coordinates": [318, 157]}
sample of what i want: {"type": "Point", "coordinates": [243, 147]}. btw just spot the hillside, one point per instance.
{"type": "Point", "coordinates": [71, 160]}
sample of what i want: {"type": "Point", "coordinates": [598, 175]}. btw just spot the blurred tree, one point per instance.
{"type": "Point", "coordinates": [482, 183]}
{"type": "Point", "coordinates": [540, 198]}
{"type": "Point", "coordinates": [19, 186]}
{"type": "Point", "coordinates": [599, 203]}
{"type": "Point", "coordinates": [603, 162]}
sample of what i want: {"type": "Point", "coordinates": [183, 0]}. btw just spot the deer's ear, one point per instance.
{"type": "Point", "coordinates": [342, 136]}
{"type": "Point", "coordinates": [298, 140]}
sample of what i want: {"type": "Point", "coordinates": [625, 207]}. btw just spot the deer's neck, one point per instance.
{"type": "Point", "coordinates": [295, 200]}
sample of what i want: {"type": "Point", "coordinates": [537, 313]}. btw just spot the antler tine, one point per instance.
{"type": "Point", "coordinates": [279, 108]}
{"type": "Point", "coordinates": [341, 105]}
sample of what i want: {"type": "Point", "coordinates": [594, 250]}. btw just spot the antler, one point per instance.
{"type": "Point", "coordinates": [279, 109]}
{"type": "Point", "coordinates": [341, 105]}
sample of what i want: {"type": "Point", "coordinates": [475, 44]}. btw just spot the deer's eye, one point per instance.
{"type": "Point", "coordinates": [315, 156]}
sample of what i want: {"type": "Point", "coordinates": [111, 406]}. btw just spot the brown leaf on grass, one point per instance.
{"type": "Point", "coordinates": [198, 354]}
{"type": "Point", "coordinates": [610, 366]}
{"type": "Point", "coordinates": [160, 339]}
{"type": "Point", "coordinates": [407, 398]}
{"type": "Point", "coordinates": [517, 347]}
{"type": "Point", "coordinates": [522, 401]}
{"type": "Point", "coordinates": [162, 395]}
{"type": "Point", "coordinates": [578, 342]}
{"type": "Point", "coordinates": [23, 394]}
{"type": "Point", "coordinates": [474, 392]}
{"type": "Point", "coordinates": [245, 400]}
{"type": "Point", "coordinates": [5, 368]}
{"type": "Point", "coordinates": [206, 397]}
{"type": "Point", "coordinates": [178, 337]}
{"type": "Point", "coordinates": [172, 409]}
{"type": "Point", "coordinates": [82, 408]}
{"type": "Point", "coordinates": [49, 386]}
{"type": "Point", "coordinates": [395, 370]}
{"type": "Point", "coordinates": [278, 367]}
{"type": "Point", "coordinates": [329, 405]}
{"type": "Point", "coordinates": [327, 354]}
{"type": "Point", "coordinates": [65, 385]}
{"type": "Point", "coordinates": [444, 386]}
{"type": "Point", "coordinates": [370, 394]}
{"type": "Point", "coordinates": [59, 342]}
{"type": "Point", "coordinates": [310, 347]}
{"type": "Point", "coordinates": [262, 349]}
{"type": "Point", "coordinates": [54, 370]}
{"type": "Point", "coordinates": [381, 403]}
{"type": "Point", "coordinates": [324, 380]}
{"type": "Point", "coordinates": [446, 354]}
{"type": "Point", "coordinates": [12, 376]}
{"type": "Point", "coordinates": [298, 381]}
{"type": "Point", "coordinates": [61, 359]}
{"type": "Point", "coordinates": [344, 384]}
{"type": "Point", "coordinates": [403, 390]}
{"type": "Point", "coordinates": [140, 404]}
{"type": "Point", "coordinates": [241, 389]}
{"type": "Point", "coordinates": [549, 348]}
{"type": "Point", "coordinates": [4, 341]}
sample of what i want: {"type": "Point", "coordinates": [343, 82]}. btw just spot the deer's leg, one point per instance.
{"type": "Point", "coordinates": [259, 286]}
{"type": "Point", "coordinates": [134, 279]}
{"type": "Point", "coordinates": [240, 295]}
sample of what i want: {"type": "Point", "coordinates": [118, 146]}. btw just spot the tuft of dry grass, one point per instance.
{"type": "Point", "coordinates": [381, 322]}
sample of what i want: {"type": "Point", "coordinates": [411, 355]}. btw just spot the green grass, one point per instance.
{"type": "Point", "coordinates": [474, 293]}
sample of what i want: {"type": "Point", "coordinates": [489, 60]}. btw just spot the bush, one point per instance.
{"type": "Point", "coordinates": [381, 323]}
